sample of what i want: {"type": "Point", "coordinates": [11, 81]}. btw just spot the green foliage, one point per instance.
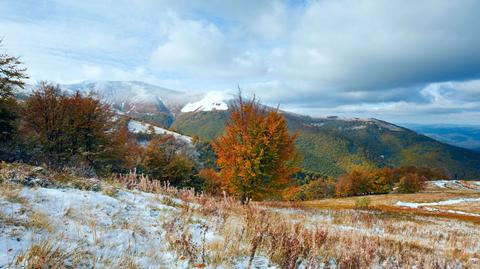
{"type": "Point", "coordinates": [206, 125]}
{"type": "Point", "coordinates": [206, 154]}
{"type": "Point", "coordinates": [314, 190]}
{"type": "Point", "coordinates": [161, 161]}
{"type": "Point", "coordinates": [161, 119]}
{"type": "Point", "coordinates": [332, 146]}
{"type": "Point", "coordinates": [8, 118]}
{"type": "Point", "coordinates": [411, 183]}
{"type": "Point", "coordinates": [362, 203]}
{"type": "Point", "coordinates": [12, 76]}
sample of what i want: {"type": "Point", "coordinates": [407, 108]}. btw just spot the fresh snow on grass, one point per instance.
{"type": "Point", "coordinates": [441, 183]}
{"type": "Point", "coordinates": [427, 206]}
{"type": "Point", "coordinates": [446, 202]}
{"type": "Point", "coordinates": [137, 127]}
{"type": "Point", "coordinates": [109, 227]}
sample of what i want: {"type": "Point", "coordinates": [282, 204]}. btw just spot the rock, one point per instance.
{"type": "Point", "coordinates": [36, 182]}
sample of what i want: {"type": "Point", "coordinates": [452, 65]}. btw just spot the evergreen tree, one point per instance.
{"type": "Point", "coordinates": [12, 75]}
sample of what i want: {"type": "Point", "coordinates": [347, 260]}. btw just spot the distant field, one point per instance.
{"type": "Point", "coordinates": [451, 199]}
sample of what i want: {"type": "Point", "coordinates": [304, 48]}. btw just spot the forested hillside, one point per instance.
{"type": "Point", "coordinates": [332, 146]}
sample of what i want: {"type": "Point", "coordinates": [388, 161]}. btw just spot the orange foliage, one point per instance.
{"type": "Point", "coordinates": [212, 181]}
{"type": "Point", "coordinates": [67, 127]}
{"type": "Point", "coordinates": [256, 154]}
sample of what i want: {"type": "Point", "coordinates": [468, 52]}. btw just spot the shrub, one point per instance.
{"type": "Point", "coordinates": [163, 162]}
{"type": "Point", "coordinates": [362, 202]}
{"type": "Point", "coordinates": [411, 183]}
{"type": "Point", "coordinates": [314, 190]}
{"type": "Point", "coordinates": [212, 181]}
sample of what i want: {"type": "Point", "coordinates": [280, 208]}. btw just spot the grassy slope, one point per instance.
{"type": "Point", "coordinates": [111, 226]}
{"type": "Point", "coordinates": [332, 146]}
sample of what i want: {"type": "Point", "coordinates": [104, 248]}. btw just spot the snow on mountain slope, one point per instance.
{"type": "Point", "coordinates": [213, 100]}
{"type": "Point", "coordinates": [121, 90]}
{"type": "Point", "coordinates": [137, 127]}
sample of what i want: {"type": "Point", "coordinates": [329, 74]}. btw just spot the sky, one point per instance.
{"type": "Point", "coordinates": [400, 61]}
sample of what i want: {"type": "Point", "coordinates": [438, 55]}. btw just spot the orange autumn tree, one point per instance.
{"type": "Point", "coordinates": [256, 154]}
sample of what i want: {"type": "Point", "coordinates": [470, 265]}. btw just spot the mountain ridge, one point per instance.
{"type": "Point", "coordinates": [330, 145]}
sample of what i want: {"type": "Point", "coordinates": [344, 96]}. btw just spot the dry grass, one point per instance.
{"type": "Point", "coordinates": [383, 236]}
{"type": "Point", "coordinates": [463, 207]}
{"type": "Point", "coordinates": [110, 191]}
{"type": "Point", "coordinates": [40, 222]}
{"type": "Point", "coordinates": [220, 232]}
{"type": "Point", "coordinates": [11, 193]}
{"type": "Point", "coordinates": [388, 199]}
{"type": "Point", "coordinates": [386, 203]}
{"type": "Point", "coordinates": [50, 254]}
{"type": "Point", "coordinates": [290, 234]}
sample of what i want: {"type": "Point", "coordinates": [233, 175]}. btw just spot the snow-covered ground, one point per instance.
{"type": "Point", "coordinates": [128, 224]}
{"type": "Point", "coordinates": [134, 225]}
{"type": "Point", "coordinates": [113, 226]}
{"type": "Point", "coordinates": [455, 184]}
{"type": "Point", "coordinates": [137, 127]}
{"type": "Point", "coordinates": [428, 206]}
{"type": "Point", "coordinates": [108, 228]}
{"type": "Point", "coordinates": [101, 224]}
{"type": "Point", "coordinates": [445, 202]}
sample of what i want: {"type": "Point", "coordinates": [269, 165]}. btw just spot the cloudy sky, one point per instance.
{"type": "Point", "coordinates": [402, 61]}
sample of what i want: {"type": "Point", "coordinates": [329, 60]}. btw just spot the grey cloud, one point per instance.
{"type": "Point", "coordinates": [386, 58]}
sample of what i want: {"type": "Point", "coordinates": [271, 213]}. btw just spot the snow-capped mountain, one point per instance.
{"type": "Point", "coordinates": [135, 96]}
{"type": "Point", "coordinates": [214, 100]}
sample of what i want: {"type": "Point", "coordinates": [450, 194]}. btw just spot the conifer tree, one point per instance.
{"type": "Point", "coordinates": [12, 75]}
{"type": "Point", "coordinates": [256, 154]}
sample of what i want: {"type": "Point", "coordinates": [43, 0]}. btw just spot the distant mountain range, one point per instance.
{"type": "Point", "coordinates": [458, 135]}
{"type": "Point", "coordinates": [330, 145]}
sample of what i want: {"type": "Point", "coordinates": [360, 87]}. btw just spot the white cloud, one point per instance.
{"type": "Point", "coordinates": [387, 58]}
{"type": "Point", "coordinates": [200, 48]}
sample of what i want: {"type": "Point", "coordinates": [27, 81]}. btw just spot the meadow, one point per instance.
{"type": "Point", "coordinates": [63, 221]}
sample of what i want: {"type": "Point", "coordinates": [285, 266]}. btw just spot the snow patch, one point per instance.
{"type": "Point", "coordinates": [446, 202]}
{"type": "Point", "coordinates": [213, 100]}
{"type": "Point", "coordinates": [441, 183]}
{"type": "Point", "coordinates": [141, 127]}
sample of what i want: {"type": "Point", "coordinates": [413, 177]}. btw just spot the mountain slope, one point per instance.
{"type": "Point", "coordinates": [333, 145]}
{"type": "Point", "coordinates": [135, 95]}
{"type": "Point", "coordinates": [329, 145]}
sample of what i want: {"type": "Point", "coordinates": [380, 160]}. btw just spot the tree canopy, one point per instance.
{"type": "Point", "coordinates": [256, 154]}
